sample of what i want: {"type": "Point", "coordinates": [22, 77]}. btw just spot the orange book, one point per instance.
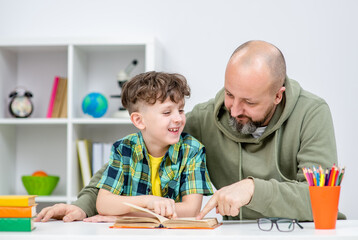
{"type": "Point", "coordinates": [17, 200]}
{"type": "Point", "coordinates": [18, 212]}
{"type": "Point", "coordinates": [158, 221]}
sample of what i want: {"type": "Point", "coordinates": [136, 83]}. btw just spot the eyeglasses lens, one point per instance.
{"type": "Point", "coordinates": [265, 224]}
{"type": "Point", "coordinates": [285, 225]}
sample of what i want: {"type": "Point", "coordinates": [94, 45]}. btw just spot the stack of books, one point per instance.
{"type": "Point", "coordinates": [17, 212]}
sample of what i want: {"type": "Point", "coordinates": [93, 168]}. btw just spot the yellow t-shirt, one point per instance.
{"type": "Point", "coordinates": [154, 163]}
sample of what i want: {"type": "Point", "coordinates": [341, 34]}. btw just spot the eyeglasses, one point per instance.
{"type": "Point", "coordinates": [282, 224]}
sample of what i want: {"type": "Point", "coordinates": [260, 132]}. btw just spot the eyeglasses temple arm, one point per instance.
{"type": "Point", "coordinates": [299, 224]}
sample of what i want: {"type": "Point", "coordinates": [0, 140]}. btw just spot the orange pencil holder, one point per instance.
{"type": "Point", "coordinates": [324, 203]}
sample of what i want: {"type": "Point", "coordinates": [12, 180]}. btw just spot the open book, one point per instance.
{"type": "Point", "coordinates": [158, 221]}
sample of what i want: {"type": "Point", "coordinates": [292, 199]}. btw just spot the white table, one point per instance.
{"type": "Point", "coordinates": [239, 230]}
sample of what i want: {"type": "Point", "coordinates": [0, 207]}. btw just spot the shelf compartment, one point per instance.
{"type": "Point", "coordinates": [33, 68]}
{"type": "Point", "coordinates": [95, 69]}
{"type": "Point", "coordinates": [29, 148]}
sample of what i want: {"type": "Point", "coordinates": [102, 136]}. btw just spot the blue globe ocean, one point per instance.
{"type": "Point", "coordinates": [95, 105]}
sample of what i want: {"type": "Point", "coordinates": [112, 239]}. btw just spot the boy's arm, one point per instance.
{"type": "Point", "coordinates": [190, 206]}
{"type": "Point", "coordinates": [110, 204]}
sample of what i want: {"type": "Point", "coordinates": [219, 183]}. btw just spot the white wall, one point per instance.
{"type": "Point", "coordinates": [318, 38]}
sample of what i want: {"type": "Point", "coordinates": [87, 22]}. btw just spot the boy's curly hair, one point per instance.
{"type": "Point", "coordinates": [152, 86]}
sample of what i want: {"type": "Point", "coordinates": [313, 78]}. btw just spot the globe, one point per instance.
{"type": "Point", "coordinates": [95, 104]}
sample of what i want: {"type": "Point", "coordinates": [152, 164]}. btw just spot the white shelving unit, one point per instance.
{"type": "Point", "coordinates": [40, 143]}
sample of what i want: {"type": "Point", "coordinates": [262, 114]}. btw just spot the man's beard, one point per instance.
{"type": "Point", "coordinates": [251, 126]}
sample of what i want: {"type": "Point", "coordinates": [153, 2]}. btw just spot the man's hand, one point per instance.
{"type": "Point", "coordinates": [66, 212]}
{"type": "Point", "coordinates": [228, 200]}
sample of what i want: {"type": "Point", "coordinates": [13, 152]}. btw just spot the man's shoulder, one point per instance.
{"type": "Point", "coordinates": [205, 106]}
{"type": "Point", "coordinates": [210, 105]}
{"type": "Point", "coordinates": [308, 102]}
{"type": "Point", "coordinates": [202, 111]}
{"type": "Point", "coordinates": [309, 108]}
{"type": "Point", "coordinates": [305, 97]}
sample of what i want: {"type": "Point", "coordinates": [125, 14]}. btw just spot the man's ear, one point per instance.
{"type": "Point", "coordinates": [137, 120]}
{"type": "Point", "coordinates": [279, 95]}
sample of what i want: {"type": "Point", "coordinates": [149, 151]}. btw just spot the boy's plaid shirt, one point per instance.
{"type": "Point", "coordinates": [182, 171]}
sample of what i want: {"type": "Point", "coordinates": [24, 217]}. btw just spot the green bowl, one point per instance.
{"type": "Point", "coordinates": [40, 185]}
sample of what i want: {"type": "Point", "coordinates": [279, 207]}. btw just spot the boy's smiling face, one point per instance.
{"type": "Point", "coordinates": [163, 123]}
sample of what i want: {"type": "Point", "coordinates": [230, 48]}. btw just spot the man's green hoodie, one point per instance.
{"type": "Point", "coordinates": [300, 134]}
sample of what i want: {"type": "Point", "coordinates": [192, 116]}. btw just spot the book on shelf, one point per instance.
{"type": "Point", "coordinates": [52, 97]}
{"type": "Point", "coordinates": [158, 221]}
{"type": "Point", "coordinates": [84, 158]}
{"type": "Point", "coordinates": [100, 155]}
{"type": "Point", "coordinates": [18, 212]}
{"type": "Point", "coordinates": [63, 111]}
{"type": "Point", "coordinates": [59, 98]}
{"type": "Point", "coordinates": [17, 200]}
{"type": "Point", "coordinates": [97, 155]}
{"type": "Point", "coordinates": [107, 147]}
{"type": "Point", "coordinates": [58, 101]}
{"type": "Point", "coordinates": [17, 224]}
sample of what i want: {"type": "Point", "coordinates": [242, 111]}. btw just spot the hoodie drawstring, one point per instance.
{"type": "Point", "coordinates": [276, 157]}
{"type": "Point", "coordinates": [240, 173]}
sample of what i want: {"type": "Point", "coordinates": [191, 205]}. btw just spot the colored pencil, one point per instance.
{"type": "Point", "coordinates": [320, 177]}
{"type": "Point", "coordinates": [331, 172]}
{"type": "Point", "coordinates": [341, 177]}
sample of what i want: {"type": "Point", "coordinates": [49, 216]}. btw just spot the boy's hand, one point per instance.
{"type": "Point", "coordinates": [162, 206]}
{"type": "Point", "coordinates": [66, 212]}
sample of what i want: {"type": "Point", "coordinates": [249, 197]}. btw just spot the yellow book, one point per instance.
{"type": "Point", "coordinates": [158, 221]}
{"type": "Point", "coordinates": [84, 158]}
{"type": "Point", "coordinates": [17, 200]}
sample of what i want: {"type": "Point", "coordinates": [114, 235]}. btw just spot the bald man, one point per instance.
{"type": "Point", "coordinates": [259, 131]}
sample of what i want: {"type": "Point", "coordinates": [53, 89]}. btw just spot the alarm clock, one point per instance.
{"type": "Point", "coordinates": [20, 105]}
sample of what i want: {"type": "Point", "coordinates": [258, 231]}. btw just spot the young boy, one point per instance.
{"type": "Point", "coordinates": [159, 168]}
